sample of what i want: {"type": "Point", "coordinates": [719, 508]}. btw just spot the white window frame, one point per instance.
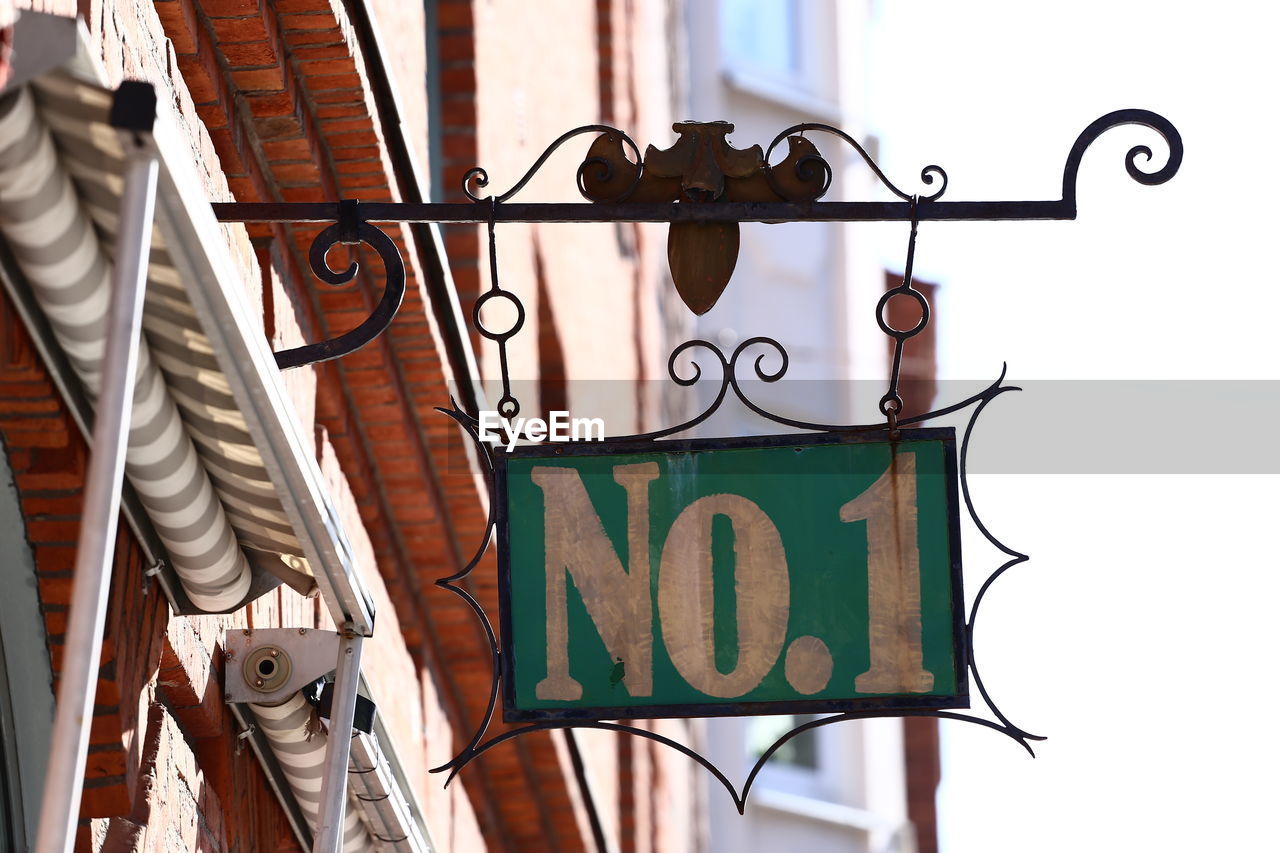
{"type": "Point", "coordinates": [821, 782]}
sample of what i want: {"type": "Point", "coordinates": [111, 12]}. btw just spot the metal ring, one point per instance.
{"type": "Point", "coordinates": [902, 334]}
{"type": "Point", "coordinates": [277, 669]}
{"type": "Point", "coordinates": [487, 332]}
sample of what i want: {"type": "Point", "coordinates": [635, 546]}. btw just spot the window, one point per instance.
{"type": "Point", "coordinates": [806, 765]}
{"type": "Point", "coordinates": [762, 37]}
{"type": "Point", "coordinates": [782, 51]}
{"type": "Point", "coordinates": [800, 752]}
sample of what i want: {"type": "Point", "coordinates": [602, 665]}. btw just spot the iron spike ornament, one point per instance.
{"type": "Point", "coordinates": [872, 623]}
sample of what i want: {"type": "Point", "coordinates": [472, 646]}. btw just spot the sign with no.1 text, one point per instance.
{"type": "Point", "coordinates": [733, 576]}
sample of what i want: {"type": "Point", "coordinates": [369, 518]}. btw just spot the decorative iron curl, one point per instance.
{"type": "Point", "coordinates": [804, 171]}
{"type": "Point", "coordinates": [731, 380]}
{"type": "Point", "coordinates": [477, 177]}
{"type": "Point", "coordinates": [349, 230]}
{"type": "Point", "coordinates": [1099, 126]}
{"type": "Point", "coordinates": [728, 380]}
{"type": "Point", "coordinates": [928, 174]}
{"type": "Point", "coordinates": [477, 745]}
{"type": "Point", "coordinates": [453, 581]}
{"type": "Point", "coordinates": [687, 382]}
{"type": "Point", "coordinates": [604, 167]}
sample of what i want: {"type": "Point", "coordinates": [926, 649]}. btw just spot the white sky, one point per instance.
{"type": "Point", "coordinates": [1139, 637]}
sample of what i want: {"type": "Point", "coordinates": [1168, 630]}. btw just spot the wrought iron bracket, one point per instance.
{"type": "Point", "coordinates": [351, 229]}
{"type": "Point", "coordinates": [932, 208]}
{"type": "Point", "coordinates": [703, 188]}
{"type": "Point", "coordinates": [700, 180]}
{"type": "Point", "coordinates": [268, 665]}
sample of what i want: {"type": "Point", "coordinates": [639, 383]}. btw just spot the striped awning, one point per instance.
{"type": "Point", "coordinates": [215, 454]}
{"type": "Point", "coordinates": [190, 458]}
{"type": "Point", "coordinates": [298, 740]}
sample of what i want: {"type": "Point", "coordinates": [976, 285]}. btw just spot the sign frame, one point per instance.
{"type": "Point", "coordinates": [896, 703]}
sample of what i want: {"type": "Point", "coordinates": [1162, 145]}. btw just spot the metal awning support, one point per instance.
{"type": "Point", "coordinates": [60, 806]}
{"type": "Point", "coordinates": [333, 791]}
{"type": "Point", "coordinates": [185, 275]}
{"type": "Point", "coordinates": [344, 777]}
{"type": "Point", "coordinates": [375, 782]}
{"type": "Point", "coordinates": [191, 233]}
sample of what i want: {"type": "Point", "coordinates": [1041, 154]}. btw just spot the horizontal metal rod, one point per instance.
{"type": "Point", "coordinates": [732, 211]}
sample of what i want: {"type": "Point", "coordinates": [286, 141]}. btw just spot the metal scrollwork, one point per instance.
{"type": "Point", "coordinates": [703, 188]}
{"type": "Point", "coordinates": [478, 178]}
{"type": "Point", "coordinates": [927, 175]}
{"type": "Point", "coordinates": [700, 185]}
{"type": "Point", "coordinates": [1119, 118]}
{"type": "Point", "coordinates": [769, 365]}
{"type": "Point", "coordinates": [452, 582]}
{"type": "Point", "coordinates": [701, 168]}
{"type": "Point", "coordinates": [619, 187]}
{"type": "Point", "coordinates": [350, 230]}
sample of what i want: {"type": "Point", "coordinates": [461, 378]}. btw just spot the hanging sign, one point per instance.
{"type": "Point", "coordinates": [742, 576]}
{"type": "Point", "coordinates": [641, 578]}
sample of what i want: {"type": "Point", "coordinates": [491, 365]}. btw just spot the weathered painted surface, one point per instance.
{"type": "Point", "coordinates": [706, 578]}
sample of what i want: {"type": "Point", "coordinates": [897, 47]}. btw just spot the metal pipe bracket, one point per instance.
{"type": "Point", "coordinates": [268, 665]}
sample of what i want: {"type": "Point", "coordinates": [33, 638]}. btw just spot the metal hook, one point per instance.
{"type": "Point", "coordinates": [891, 402]}
{"type": "Point", "coordinates": [242, 737]}
{"type": "Point", "coordinates": [367, 770]}
{"type": "Point", "coordinates": [508, 406]}
{"type": "Point", "coordinates": [152, 571]}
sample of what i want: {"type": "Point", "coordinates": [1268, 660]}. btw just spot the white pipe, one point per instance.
{"type": "Point", "coordinates": [333, 789]}
{"type": "Point", "coordinates": [60, 807]}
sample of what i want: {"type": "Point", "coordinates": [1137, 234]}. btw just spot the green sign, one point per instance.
{"type": "Point", "coordinates": [740, 576]}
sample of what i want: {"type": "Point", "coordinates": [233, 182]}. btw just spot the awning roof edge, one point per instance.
{"type": "Point", "coordinates": [197, 248]}
{"type": "Point", "coordinates": [196, 245]}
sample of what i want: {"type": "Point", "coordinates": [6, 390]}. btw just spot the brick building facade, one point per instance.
{"type": "Point", "coordinates": [317, 100]}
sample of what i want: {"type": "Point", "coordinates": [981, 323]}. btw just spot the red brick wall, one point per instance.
{"type": "Point", "coordinates": [924, 773]}
{"type": "Point", "coordinates": [457, 111]}
{"type": "Point", "coordinates": [161, 759]}
{"type": "Point", "coordinates": [273, 108]}
{"type": "Point", "coordinates": [273, 100]}
{"type": "Point", "coordinates": [514, 76]}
